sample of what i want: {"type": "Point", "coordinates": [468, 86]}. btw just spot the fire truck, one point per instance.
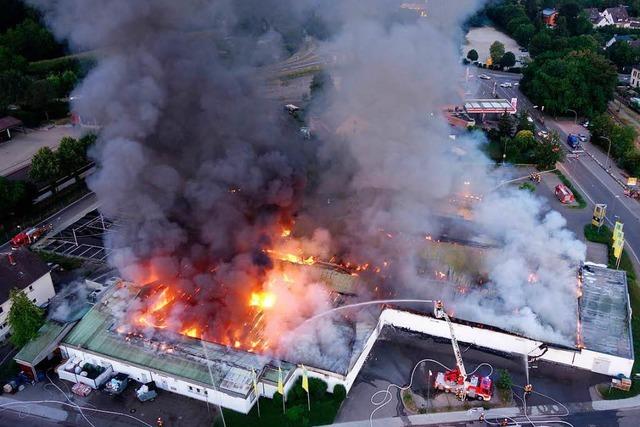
{"type": "Point", "coordinates": [564, 194]}
{"type": "Point", "coordinates": [28, 237]}
{"type": "Point", "coordinates": [456, 380]}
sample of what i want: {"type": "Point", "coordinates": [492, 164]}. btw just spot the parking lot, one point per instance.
{"type": "Point", "coordinates": [83, 239]}
{"type": "Point", "coordinates": [396, 353]}
{"type": "Point", "coordinates": [102, 409]}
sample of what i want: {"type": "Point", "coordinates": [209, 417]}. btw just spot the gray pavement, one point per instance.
{"type": "Point", "coordinates": [16, 154]}
{"type": "Point", "coordinates": [65, 216]}
{"type": "Point", "coordinates": [44, 404]}
{"type": "Point", "coordinates": [396, 352]}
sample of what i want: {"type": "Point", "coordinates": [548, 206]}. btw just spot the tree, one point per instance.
{"type": "Point", "coordinates": [32, 41]}
{"type": "Point", "coordinates": [508, 59]}
{"type": "Point", "coordinates": [71, 156]}
{"type": "Point", "coordinates": [622, 54]}
{"type": "Point", "coordinates": [15, 197]}
{"type": "Point", "coordinates": [505, 125]}
{"type": "Point", "coordinates": [524, 34]}
{"type": "Point", "coordinates": [504, 380]}
{"type": "Point", "coordinates": [339, 393]}
{"type": "Point", "coordinates": [45, 167]}
{"type": "Point", "coordinates": [40, 95]}
{"type": "Point", "coordinates": [496, 51]}
{"type": "Point", "coordinates": [579, 80]}
{"type": "Point", "coordinates": [548, 153]}
{"type": "Point", "coordinates": [472, 55]}
{"type": "Point", "coordinates": [25, 318]}
{"type": "Point", "coordinates": [524, 123]}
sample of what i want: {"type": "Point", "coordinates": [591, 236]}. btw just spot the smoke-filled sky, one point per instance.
{"type": "Point", "coordinates": [205, 172]}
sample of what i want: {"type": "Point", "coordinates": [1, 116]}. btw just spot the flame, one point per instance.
{"type": "Point", "coordinates": [263, 300]}
{"type": "Point", "coordinates": [164, 298]}
{"type": "Point", "coordinates": [286, 232]}
{"type": "Point", "coordinates": [293, 258]}
{"type": "Point", "coordinates": [191, 332]}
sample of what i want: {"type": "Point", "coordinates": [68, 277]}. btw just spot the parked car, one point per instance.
{"type": "Point", "coordinates": [484, 77]}
{"type": "Point", "coordinates": [582, 138]}
{"type": "Point", "coordinates": [506, 84]}
{"type": "Point", "coordinates": [543, 134]}
{"type": "Point", "coordinates": [585, 123]}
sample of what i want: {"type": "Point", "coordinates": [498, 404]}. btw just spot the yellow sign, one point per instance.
{"type": "Point", "coordinates": [489, 61]}
{"type": "Point", "coordinates": [305, 379]}
{"type": "Point", "coordinates": [618, 245]}
{"type": "Point", "coordinates": [599, 212]}
{"type": "Point", "coordinates": [632, 182]}
{"type": "Point", "coordinates": [617, 229]}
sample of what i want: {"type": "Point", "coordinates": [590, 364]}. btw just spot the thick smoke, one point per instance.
{"type": "Point", "coordinates": [204, 172]}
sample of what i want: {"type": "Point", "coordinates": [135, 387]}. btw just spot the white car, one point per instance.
{"type": "Point", "coordinates": [506, 84]}
{"type": "Point", "coordinates": [543, 134]}
{"type": "Point", "coordinates": [484, 77]}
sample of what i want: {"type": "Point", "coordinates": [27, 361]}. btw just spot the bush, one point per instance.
{"type": "Point", "coordinates": [317, 388]}
{"type": "Point", "coordinates": [504, 381]}
{"type": "Point", "coordinates": [339, 393]}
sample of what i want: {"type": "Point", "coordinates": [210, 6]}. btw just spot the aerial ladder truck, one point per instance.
{"type": "Point", "coordinates": [456, 380]}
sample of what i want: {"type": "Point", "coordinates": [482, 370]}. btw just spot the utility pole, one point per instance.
{"type": "Point", "coordinates": [608, 151]}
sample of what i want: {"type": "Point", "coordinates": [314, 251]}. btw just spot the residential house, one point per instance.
{"type": "Point", "coordinates": [635, 77]}
{"type": "Point", "coordinates": [618, 38]}
{"type": "Point", "coordinates": [549, 17]}
{"type": "Point", "coordinates": [24, 270]}
{"type": "Point", "coordinates": [617, 16]}
{"type": "Point", "coordinates": [596, 18]}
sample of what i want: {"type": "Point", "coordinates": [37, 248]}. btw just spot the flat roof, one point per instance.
{"type": "Point", "coordinates": [49, 336]}
{"type": "Point", "coordinates": [210, 363]}
{"type": "Point", "coordinates": [605, 311]}
{"type": "Point", "coordinates": [488, 106]}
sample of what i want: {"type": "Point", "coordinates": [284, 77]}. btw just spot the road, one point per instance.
{"type": "Point", "coordinates": [66, 216]}
{"type": "Point", "coordinates": [590, 178]}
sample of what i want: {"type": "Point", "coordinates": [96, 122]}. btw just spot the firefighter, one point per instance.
{"type": "Point", "coordinates": [528, 388]}
{"type": "Point", "coordinates": [159, 422]}
{"type": "Point", "coordinates": [481, 417]}
{"type": "Point", "coordinates": [504, 422]}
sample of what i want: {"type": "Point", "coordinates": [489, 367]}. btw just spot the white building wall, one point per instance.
{"type": "Point", "coordinates": [40, 292]}
{"type": "Point", "coordinates": [172, 384]}
{"type": "Point", "coordinates": [584, 359]}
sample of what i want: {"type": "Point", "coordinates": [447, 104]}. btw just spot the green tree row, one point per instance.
{"type": "Point", "coordinates": [514, 141]}
{"type": "Point", "coordinates": [47, 165]}
{"type": "Point", "coordinates": [623, 148]}
{"type": "Point", "coordinates": [569, 70]}
{"type": "Point", "coordinates": [33, 93]}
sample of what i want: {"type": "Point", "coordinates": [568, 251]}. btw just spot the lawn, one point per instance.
{"type": "Point", "coordinates": [604, 235]}
{"type": "Point", "coordinates": [324, 407]}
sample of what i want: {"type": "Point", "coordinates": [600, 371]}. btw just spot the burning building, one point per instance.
{"type": "Point", "coordinates": [223, 374]}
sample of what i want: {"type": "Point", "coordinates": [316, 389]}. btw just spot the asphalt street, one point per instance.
{"type": "Point", "coordinates": [64, 217]}
{"type": "Point", "coordinates": [590, 178]}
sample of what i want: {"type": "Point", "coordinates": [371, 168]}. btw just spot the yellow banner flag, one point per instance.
{"type": "Point", "coordinates": [255, 382]}
{"type": "Point", "coordinates": [618, 245]}
{"type": "Point", "coordinates": [280, 383]}
{"type": "Point", "coordinates": [305, 380]}
{"type": "Point", "coordinates": [617, 229]}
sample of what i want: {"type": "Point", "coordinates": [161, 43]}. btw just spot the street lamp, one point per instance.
{"type": "Point", "coordinates": [576, 114]}
{"type": "Point", "coordinates": [608, 151]}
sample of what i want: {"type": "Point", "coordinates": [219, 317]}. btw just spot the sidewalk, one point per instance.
{"type": "Point", "coordinates": [473, 414]}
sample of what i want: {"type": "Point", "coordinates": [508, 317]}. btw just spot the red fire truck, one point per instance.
{"type": "Point", "coordinates": [28, 237]}
{"type": "Point", "coordinates": [564, 194]}
{"type": "Point", "coordinates": [456, 380]}
{"type": "Point", "coordinates": [480, 388]}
